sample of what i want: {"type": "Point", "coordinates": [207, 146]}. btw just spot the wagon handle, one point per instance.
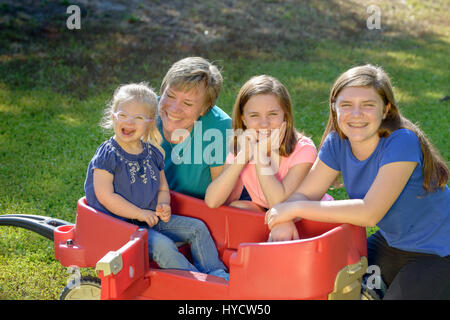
{"type": "Point", "coordinates": [40, 224]}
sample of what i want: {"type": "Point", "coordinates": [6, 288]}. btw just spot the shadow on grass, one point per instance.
{"type": "Point", "coordinates": [122, 41]}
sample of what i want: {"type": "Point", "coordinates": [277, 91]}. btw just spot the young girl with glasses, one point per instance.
{"type": "Point", "coordinates": [126, 180]}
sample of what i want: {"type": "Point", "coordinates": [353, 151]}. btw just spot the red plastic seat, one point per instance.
{"type": "Point", "coordinates": [93, 235]}
{"type": "Point", "coordinates": [300, 269]}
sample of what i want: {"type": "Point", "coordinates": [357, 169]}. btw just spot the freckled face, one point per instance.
{"type": "Point", "coordinates": [263, 113]}
{"type": "Point", "coordinates": [359, 114]}
{"type": "Point", "coordinates": [179, 109]}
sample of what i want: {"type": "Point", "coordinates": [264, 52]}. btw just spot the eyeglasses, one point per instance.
{"type": "Point", "coordinates": [139, 119]}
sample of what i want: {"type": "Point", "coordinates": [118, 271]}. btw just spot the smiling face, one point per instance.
{"type": "Point", "coordinates": [128, 133]}
{"type": "Point", "coordinates": [179, 109]}
{"type": "Point", "coordinates": [360, 111]}
{"type": "Point", "coordinates": [263, 113]}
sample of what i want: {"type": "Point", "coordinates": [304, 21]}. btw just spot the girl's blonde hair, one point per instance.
{"type": "Point", "coordinates": [265, 84]}
{"type": "Point", "coordinates": [192, 72]}
{"type": "Point", "coordinates": [143, 94]}
{"type": "Point", "coordinates": [435, 171]}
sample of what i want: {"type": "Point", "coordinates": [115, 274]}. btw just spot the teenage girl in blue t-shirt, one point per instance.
{"type": "Point", "coordinates": [395, 179]}
{"type": "Point", "coordinates": [125, 179]}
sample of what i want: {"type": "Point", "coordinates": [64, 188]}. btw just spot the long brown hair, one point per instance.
{"type": "Point", "coordinates": [265, 84]}
{"type": "Point", "coordinates": [435, 171]}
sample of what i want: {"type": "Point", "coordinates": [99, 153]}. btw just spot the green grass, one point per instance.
{"type": "Point", "coordinates": [53, 91]}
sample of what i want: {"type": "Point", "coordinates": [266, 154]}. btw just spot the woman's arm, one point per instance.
{"type": "Point", "coordinates": [104, 191]}
{"type": "Point", "coordinates": [387, 186]}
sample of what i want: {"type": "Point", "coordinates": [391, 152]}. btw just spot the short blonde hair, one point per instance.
{"type": "Point", "coordinates": [192, 72]}
{"type": "Point", "coordinates": [141, 93]}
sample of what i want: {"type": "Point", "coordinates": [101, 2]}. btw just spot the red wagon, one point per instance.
{"type": "Point", "coordinates": [328, 261]}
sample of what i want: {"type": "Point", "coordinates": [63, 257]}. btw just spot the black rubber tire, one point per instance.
{"type": "Point", "coordinates": [89, 289]}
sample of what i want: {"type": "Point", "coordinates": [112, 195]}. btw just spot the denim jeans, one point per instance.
{"type": "Point", "coordinates": [162, 248]}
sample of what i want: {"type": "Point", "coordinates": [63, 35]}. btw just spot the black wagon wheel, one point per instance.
{"type": "Point", "coordinates": [88, 288]}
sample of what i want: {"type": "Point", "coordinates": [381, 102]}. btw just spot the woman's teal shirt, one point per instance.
{"type": "Point", "coordinates": [187, 165]}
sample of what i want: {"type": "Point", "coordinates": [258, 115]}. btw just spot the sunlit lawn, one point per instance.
{"type": "Point", "coordinates": [49, 124]}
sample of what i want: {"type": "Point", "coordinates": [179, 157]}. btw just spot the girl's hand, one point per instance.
{"type": "Point", "coordinates": [276, 137]}
{"type": "Point", "coordinates": [273, 141]}
{"type": "Point", "coordinates": [148, 216]}
{"type": "Point", "coordinates": [283, 232]}
{"type": "Point", "coordinates": [163, 211]}
{"type": "Point", "coordinates": [276, 215]}
{"type": "Point", "coordinates": [246, 143]}
{"type": "Point", "coordinates": [269, 145]}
